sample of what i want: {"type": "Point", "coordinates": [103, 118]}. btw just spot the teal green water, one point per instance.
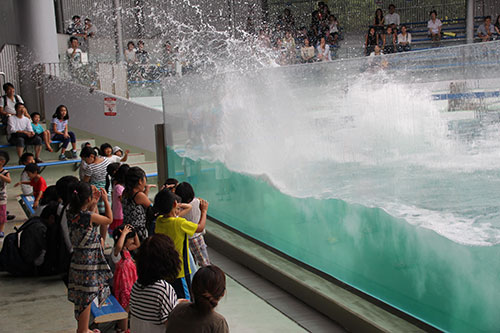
{"type": "Point", "coordinates": [451, 286]}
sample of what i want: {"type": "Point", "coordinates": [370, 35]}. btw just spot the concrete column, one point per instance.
{"type": "Point", "coordinates": [469, 21]}
{"type": "Point", "coordinates": [38, 37]}
{"type": "Point", "coordinates": [118, 31]}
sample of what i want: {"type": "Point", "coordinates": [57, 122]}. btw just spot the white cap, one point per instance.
{"type": "Point", "coordinates": [116, 148]}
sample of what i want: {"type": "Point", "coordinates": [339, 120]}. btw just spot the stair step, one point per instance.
{"type": "Point", "coordinates": [148, 167]}
{"type": "Point", "coordinates": [136, 158]}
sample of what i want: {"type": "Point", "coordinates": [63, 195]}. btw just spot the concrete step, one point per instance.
{"type": "Point", "coordinates": [148, 167]}
{"type": "Point", "coordinates": [136, 158]}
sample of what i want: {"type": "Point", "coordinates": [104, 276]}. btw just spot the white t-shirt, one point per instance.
{"type": "Point", "coordinates": [16, 124]}
{"type": "Point", "coordinates": [194, 215]}
{"type": "Point", "coordinates": [8, 105]}
{"type": "Point", "coordinates": [326, 53]}
{"type": "Point", "coordinates": [392, 18]}
{"type": "Point", "coordinates": [434, 26]}
{"type": "Point", "coordinates": [404, 39]}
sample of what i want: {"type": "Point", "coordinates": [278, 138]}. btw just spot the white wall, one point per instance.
{"type": "Point", "coordinates": [134, 124]}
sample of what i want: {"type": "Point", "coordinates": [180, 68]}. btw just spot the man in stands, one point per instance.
{"type": "Point", "coordinates": [8, 101]}
{"type": "Point", "coordinates": [392, 17]}
{"type": "Point", "coordinates": [486, 30]}
{"type": "Point", "coordinates": [20, 132]}
{"type": "Point", "coordinates": [76, 27]}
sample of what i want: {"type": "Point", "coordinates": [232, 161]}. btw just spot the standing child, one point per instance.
{"type": "Point", "coordinates": [40, 131]}
{"type": "Point", "coordinates": [153, 298]}
{"type": "Point", "coordinates": [178, 229]}
{"type": "Point", "coordinates": [26, 158]}
{"type": "Point", "coordinates": [135, 201]}
{"type": "Point", "coordinates": [4, 179]}
{"type": "Point", "coordinates": [59, 130]}
{"type": "Point", "coordinates": [196, 242]}
{"type": "Point", "coordinates": [107, 151]}
{"type": "Point", "coordinates": [88, 271]}
{"type": "Point", "coordinates": [36, 181]}
{"type": "Point", "coordinates": [126, 240]}
{"type": "Point", "coordinates": [118, 188]}
{"type": "Point", "coordinates": [117, 151]}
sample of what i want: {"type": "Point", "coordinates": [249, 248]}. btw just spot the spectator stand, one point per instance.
{"type": "Point", "coordinates": [453, 32]}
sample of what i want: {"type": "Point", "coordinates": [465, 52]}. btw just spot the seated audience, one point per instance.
{"type": "Point", "coordinates": [289, 46]}
{"type": "Point", "coordinates": [371, 41]}
{"type": "Point", "coordinates": [389, 41]}
{"type": "Point", "coordinates": [90, 29]}
{"type": "Point", "coordinates": [8, 101]}
{"type": "Point", "coordinates": [142, 55]}
{"type": "Point", "coordinates": [130, 53]}
{"type": "Point", "coordinates": [153, 297]}
{"type": "Point", "coordinates": [4, 180]}
{"type": "Point", "coordinates": [74, 54]}
{"type": "Point", "coordinates": [199, 316]}
{"type": "Point", "coordinates": [404, 40]}
{"type": "Point", "coordinates": [333, 27]}
{"type": "Point", "coordinates": [376, 51]}
{"type": "Point", "coordinates": [26, 158]}
{"type": "Point", "coordinates": [20, 132]}
{"type": "Point", "coordinates": [497, 26]}
{"type": "Point", "coordinates": [434, 25]}
{"type": "Point", "coordinates": [486, 31]}
{"type": "Point", "coordinates": [392, 17]}
{"type": "Point", "coordinates": [60, 132]}
{"type": "Point", "coordinates": [307, 52]}
{"type": "Point", "coordinates": [324, 50]}
{"type": "Point", "coordinates": [36, 181]}
{"type": "Point", "coordinates": [379, 21]}
{"type": "Point", "coordinates": [40, 131]}
{"type": "Point", "coordinates": [76, 28]}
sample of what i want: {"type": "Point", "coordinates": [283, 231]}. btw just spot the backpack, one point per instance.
{"type": "Point", "coordinates": [22, 247]}
{"type": "Point", "coordinates": [16, 98]}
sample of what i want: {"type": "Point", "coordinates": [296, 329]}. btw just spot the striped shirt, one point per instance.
{"type": "Point", "coordinates": [152, 303]}
{"type": "Point", "coordinates": [97, 171]}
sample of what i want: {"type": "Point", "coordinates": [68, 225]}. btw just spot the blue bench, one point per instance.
{"type": "Point", "coordinates": [26, 202]}
{"type": "Point", "coordinates": [9, 145]}
{"type": "Point", "coordinates": [45, 164]}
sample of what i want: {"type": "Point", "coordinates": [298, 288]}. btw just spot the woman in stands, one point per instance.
{"type": "Point", "coordinates": [404, 40]}
{"type": "Point", "coordinates": [89, 272]}
{"type": "Point", "coordinates": [209, 286]}
{"type": "Point", "coordinates": [371, 41]}
{"type": "Point", "coordinates": [152, 297]}
{"type": "Point", "coordinates": [324, 50]}
{"type": "Point", "coordinates": [378, 21]}
{"type": "Point", "coordinates": [59, 131]}
{"type": "Point", "coordinates": [389, 41]}
{"type": "Point", "coordinates": [434, 25]}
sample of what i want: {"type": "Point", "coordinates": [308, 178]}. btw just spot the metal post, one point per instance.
{"type": "Point", "coordinates": [469, 24]}
{"type": "Point", "coordinates": [161, 154]}
{"type": "Point", "coordinates": [118, 31]}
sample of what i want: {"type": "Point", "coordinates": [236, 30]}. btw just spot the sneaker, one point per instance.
{"type": "Point", "coordinates": [74, 154]}
{"type": "Point", "coordinates": [2, 235]}
{"type": "Point", "coordinates": [38, 161]}
{"type": "Point", "coordinates": [62, 157]}
{"type": "Point", "coordinates": [10, 217]}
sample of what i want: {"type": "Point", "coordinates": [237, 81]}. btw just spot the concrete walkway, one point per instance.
{"type": "Point", "coordinates": [40, 304]}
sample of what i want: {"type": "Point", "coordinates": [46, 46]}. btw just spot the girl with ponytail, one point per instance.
{"type": "Point", "coordinates": [89, 271]}
{"type": "Point", "coordinates": [208, 287]}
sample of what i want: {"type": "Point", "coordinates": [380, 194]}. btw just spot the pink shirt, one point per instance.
{"type": "Point", "coordinates": [117, 203]}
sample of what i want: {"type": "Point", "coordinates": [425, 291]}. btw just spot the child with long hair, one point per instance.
{"type": "Point", "coordinates": [209, 286]}
{"type": "Point", "coordinates": [88, 271]}
{"type": "Point", "coordinates": [59, 130]}
{"type": "Point", "coordinates": [153, 298]}
{"type": "Point", "coordinates": [118, 181]}
{"type": "Point", "coordinates": [135, 201]}
{"type": "Point", "coordinates": [126, 240]}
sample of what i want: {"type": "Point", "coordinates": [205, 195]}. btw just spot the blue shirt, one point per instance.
{"type": "Point", "coordinates": [38, 129]}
